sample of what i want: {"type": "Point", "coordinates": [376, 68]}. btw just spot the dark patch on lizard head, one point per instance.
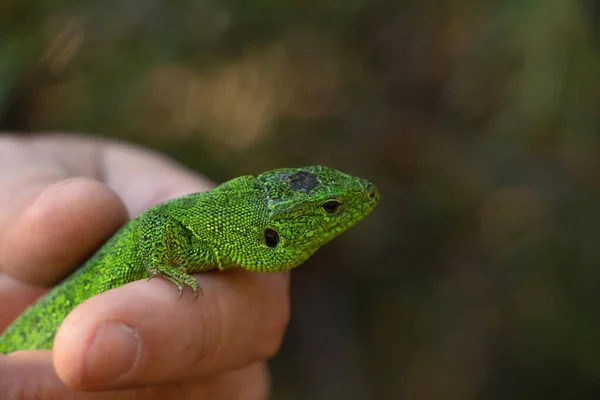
{"type": "Point", "coordinates": [302, 180]}
{"type": "Point", "coordinates": [291, 183]}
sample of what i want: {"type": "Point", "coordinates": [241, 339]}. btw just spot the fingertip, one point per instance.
{"type": "Point", "coordinates": [64, 224]}
{"type": "Point", "coordinates": [104, 338]}
{"type": "Point", "coordinates": [148, 336]}
{"type": "Point", "coordinates": [89, 355]}
{"type": "Point", "coordinates": [73, 337]}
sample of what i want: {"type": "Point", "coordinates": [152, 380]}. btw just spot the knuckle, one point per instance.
{"type": "Point", "coordinates": [271, 335]}
{"type": "Point", "coordinates": [260, 389]}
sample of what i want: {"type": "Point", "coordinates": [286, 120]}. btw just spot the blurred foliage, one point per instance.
{"type": "Point", "coordinates": [477, 276]}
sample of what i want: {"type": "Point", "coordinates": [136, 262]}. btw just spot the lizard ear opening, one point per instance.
{"type": "Point", "coordinates": [271, 238]}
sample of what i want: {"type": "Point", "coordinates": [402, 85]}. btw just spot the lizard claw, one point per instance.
{"type": "Point", "coordinates": [180, 278]}
{"type": "Point", "coordinates": [196, 291]}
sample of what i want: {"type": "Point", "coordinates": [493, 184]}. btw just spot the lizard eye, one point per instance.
{"type": "Point", "coordinates": [331, 206]}
{"type": "Point", "coordinates": [271, 238]}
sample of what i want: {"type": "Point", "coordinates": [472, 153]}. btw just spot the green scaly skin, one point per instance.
{"type": "Point", "coordinates": [269, 223]}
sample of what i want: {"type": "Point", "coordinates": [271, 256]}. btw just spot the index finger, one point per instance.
{"type": "Point", "coordinates": [65, 195]}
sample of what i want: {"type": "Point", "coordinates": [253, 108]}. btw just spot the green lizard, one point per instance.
{"type": "Point", "coordinates": [269, 223]}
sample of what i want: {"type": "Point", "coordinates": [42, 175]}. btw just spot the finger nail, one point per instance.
{"type": "Point", "coordinates": [113, 353]}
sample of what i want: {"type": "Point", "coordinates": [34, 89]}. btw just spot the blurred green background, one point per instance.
{"type": "Point", "coordinates": [477, 275]}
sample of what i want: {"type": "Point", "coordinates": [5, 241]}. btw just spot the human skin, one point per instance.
{"type": "Point", "coordinates": [61, 197]}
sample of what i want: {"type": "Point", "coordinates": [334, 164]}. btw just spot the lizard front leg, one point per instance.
{"type": "Point", "coordinates": [168, 249]}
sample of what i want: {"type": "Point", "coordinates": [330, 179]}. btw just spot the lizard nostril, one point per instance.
{"type": "Point", "coordinates": [371, 191]}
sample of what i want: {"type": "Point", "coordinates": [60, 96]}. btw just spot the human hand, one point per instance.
{"type": "Point", "coordinates": [61, 197]}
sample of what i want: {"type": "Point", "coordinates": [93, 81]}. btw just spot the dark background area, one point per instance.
{"type": "Point", "coordinates": [477, 275]}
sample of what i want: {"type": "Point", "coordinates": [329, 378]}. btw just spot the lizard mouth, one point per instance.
{"type": "Point", "coordinates": [370, 198]}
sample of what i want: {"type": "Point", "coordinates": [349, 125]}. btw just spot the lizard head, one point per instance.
{"type": "Point", "coordinates": [308, 207]}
